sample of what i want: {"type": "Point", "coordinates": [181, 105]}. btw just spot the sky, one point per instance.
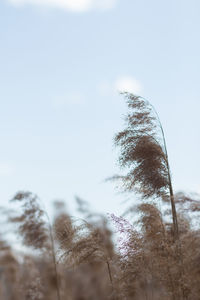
{"type": "Point", "coordinates": [62, 65]}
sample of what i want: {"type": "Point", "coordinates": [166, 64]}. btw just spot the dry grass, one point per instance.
{"type": "Point", "coordinates": [78, 260]}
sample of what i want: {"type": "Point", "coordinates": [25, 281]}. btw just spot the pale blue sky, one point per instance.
{"type": "Point", "coordinates": [60, 68]}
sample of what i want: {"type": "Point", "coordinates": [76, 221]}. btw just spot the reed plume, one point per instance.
{"type": "Point", "coordinates": [143, 152]}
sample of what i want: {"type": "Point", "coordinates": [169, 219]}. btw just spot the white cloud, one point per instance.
{"type": "Point", "coordinates": [6, 169]}
{"type": "Point", "coordinates": [128, 84]}
{"type": "Point", "coordinates": [121, 84]}
{"type": "Point", "coordinates": [70, 5]}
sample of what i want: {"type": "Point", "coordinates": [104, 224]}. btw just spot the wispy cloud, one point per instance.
{"type": "Point", "coordinates": [69, 5]}
{"type": "Point", "coordinates": [6, 169]}
{"type": "Point", "coordinates": [71, 98]}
